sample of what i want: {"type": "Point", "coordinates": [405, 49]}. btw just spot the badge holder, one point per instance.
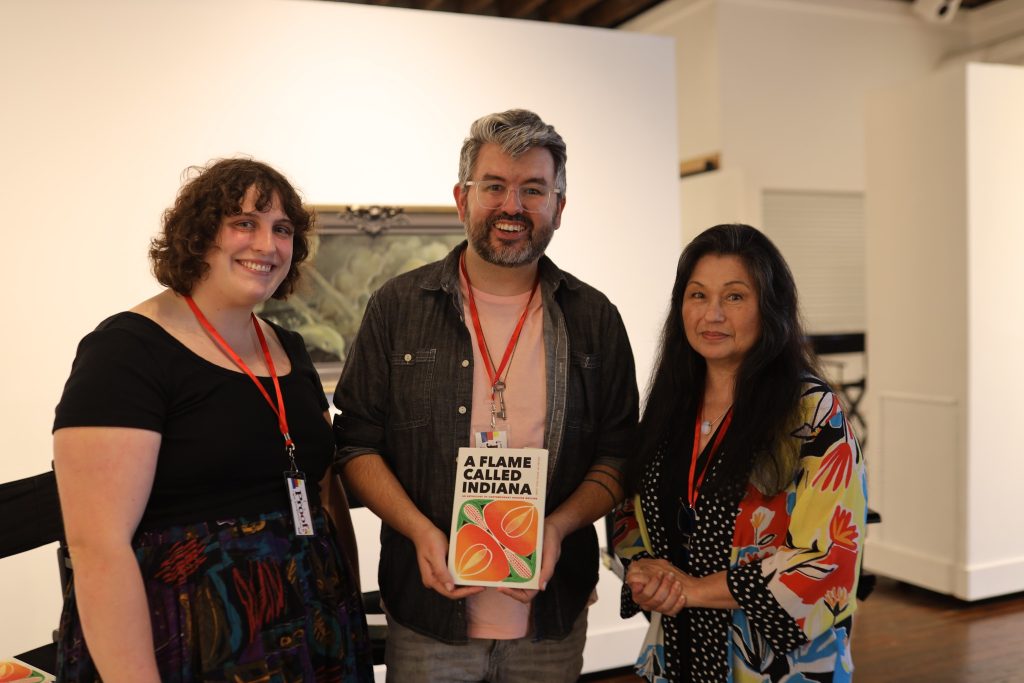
{"type": "Point", "coordinates": [295, 482]}
{"type": "Point", "coordinates": [491, 439]}
{"type": "Point", "coordinates": [301, 516]}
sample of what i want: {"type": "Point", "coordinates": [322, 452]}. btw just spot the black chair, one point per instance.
{"type": "Point", "coordinates": [31, 513]}
{"type": "Point", "coordinates": [851, 392]}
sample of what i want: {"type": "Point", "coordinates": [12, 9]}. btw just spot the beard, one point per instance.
{"type": "Point", "coordinates": [509, 254]}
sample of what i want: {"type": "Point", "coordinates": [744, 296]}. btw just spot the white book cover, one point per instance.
{"type": "Point", "coordinates": [497, 527]}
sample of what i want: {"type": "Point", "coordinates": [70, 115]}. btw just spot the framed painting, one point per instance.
{"type": "Point", "coordinates": [355, 250]}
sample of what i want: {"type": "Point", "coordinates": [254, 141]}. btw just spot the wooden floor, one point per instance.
{"type": "Point", "coordinates": [903, 634]}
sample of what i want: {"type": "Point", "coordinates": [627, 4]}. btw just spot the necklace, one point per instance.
{"type": "Point", "coordinates": [706, 425]}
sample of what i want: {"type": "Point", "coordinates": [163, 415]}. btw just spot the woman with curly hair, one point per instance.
{"type": "Point", "coordinates": [744, 537]}
{"type": "Point", "coordinates": [190, 447]}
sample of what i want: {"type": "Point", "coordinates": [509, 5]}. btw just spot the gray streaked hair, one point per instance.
{"type": "Point", "coordinates": [516, 132]}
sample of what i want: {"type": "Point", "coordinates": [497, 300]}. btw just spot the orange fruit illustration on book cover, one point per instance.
{"type": "Point", "coordinates": [496, 540]}
{"type": "Point", "coordinates": [16, 672]}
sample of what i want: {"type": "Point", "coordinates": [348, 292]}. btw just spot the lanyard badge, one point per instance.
{"type": "Point", "coordinates": [491, 439]}
{"type": "Point", "coordinates": [295, 481]}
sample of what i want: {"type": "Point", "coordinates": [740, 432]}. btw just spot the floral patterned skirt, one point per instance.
{"type": "Point", "coordinates": [241, 601]}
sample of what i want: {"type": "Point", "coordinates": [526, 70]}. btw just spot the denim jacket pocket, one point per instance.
{"type": "Point", "coordinates": [585, 390]}
{"type": "Point", "coordinates": [412, 375]}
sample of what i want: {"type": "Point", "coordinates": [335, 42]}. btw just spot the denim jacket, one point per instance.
{"type": "Point", "coordinates": [406, 393]}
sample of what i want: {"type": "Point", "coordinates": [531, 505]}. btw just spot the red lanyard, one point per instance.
{"type": "Point", "coordinates": [282, 418]}
{"type": "Point", "coordinates": [494, 375]}
{"type": "Point", "coordinates": [693, 487]}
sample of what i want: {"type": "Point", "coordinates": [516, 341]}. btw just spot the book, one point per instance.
{"type": "Point", "coordinates": [16, 671]}
{"type": "Point", "coordinates": [497, 530]}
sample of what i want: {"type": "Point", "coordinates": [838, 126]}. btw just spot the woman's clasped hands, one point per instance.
{"type": "Point", "coordinates": [658, 586]}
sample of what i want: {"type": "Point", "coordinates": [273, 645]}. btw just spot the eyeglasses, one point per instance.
{"type": "Point", "coordinates": [492, 194]}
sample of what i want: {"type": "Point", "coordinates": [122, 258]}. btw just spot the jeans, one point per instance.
{"type": "Point", "coordinates": [414, 658]}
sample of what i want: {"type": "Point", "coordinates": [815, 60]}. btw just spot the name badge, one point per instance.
{"type": "Point", "coordinates": [494, 439]}
{"type": "Point", "coordinates": [301, 516]}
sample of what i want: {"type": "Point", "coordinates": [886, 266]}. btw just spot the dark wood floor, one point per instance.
{"type": "Point", "coordinates": [904, 634]}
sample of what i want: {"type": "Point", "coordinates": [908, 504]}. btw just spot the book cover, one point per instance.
{"type": "Point", "coordinates": [498, 517]}
{"type": "Point", "coordinates": [16, 671]}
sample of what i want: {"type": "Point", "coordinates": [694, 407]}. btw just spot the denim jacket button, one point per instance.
{"type": "Point", "coordinates": [465, 363]}
{"type": "Point", "coordinates": [408, 357]}
{"type": "Point", "coordinates": [462, 410]}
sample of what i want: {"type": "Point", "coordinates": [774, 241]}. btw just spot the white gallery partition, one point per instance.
{"type": "Point", "coordinates": [945, 251]}
{"type": "Point", "coordinates": [107, 102]}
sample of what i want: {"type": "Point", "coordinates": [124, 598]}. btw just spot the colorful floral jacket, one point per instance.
{"type": "Point", "coordinates": [792, 563]}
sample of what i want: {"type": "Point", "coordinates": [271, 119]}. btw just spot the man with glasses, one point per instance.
{"type": "Point", "coordinates": [492, 346]}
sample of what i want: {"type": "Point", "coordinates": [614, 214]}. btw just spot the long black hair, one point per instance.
{"type": "Point", "coordinates": [768, 384]}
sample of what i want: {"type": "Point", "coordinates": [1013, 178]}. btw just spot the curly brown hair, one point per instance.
{"type": "Point", "coordinates": [217, 190]}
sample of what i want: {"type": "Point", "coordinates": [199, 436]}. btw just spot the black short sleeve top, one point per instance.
{"type": "Point", "coordinates": [222, 454]}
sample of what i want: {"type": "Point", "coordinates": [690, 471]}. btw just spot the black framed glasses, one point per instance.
{"type": "Point", "coordinates": [492, 194]}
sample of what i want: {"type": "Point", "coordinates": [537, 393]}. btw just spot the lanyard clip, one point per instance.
{"type": "Point", "coordinates": [289, 446]}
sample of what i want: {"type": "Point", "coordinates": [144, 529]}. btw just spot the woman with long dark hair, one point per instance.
{"type": "Point", "coordinates": [743, 538]}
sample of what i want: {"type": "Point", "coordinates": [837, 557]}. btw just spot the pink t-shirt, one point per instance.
{"type": "Point", "coordinates": [490, 614]}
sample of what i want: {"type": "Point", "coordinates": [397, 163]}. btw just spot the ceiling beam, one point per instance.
{"type": "Point", "coordinates": [476, 6]}
{"type": "Point", "coordinates": [517, 9]}
{"type": "Point", "coordinates": [567, 10]}
{"type": "Point", "coordinates": [613, 12]}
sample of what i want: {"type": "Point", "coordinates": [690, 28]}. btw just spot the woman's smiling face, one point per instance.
{"type": "Point", "coordinates": [721, 316]}
{"type": "Point", "coordinates": [252, 253]}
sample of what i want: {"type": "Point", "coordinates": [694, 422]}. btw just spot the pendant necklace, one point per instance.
{"type": "Point", "coordinates": [706, 425]}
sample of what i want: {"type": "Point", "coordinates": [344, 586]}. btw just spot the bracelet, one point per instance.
{"type": "Point", "coordinates": [607, 490]}
{"type": "Point", "coordinates": [608, 471]}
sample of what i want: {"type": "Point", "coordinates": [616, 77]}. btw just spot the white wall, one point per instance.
{"type": "Point", "coordinates": [778, 86]}
{"type": "Point", "coordinates": [995, 303]}
{"type": "Point", "coordinates": [916, 215]}
{"type": "Point", "coordinates": [105, 103]}
{"type": "Point", "coordinates": [693, 25]}
{"type": "Point", "coordinates": [712, 198]}
{"type": "Point", "coordinates": [944, 255]}
{"type": "Point", "coordinates": [794, 79]}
